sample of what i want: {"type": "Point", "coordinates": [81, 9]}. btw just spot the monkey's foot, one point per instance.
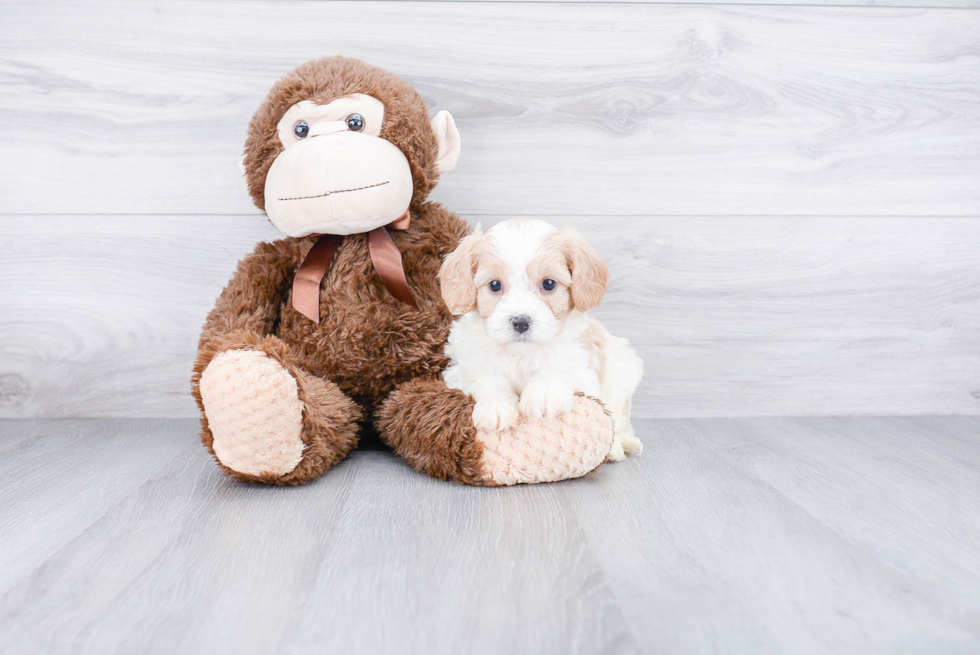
{"type": "Point", "coordinates": [254, 412]}
{"type": "Point", "coordinates": [548, 450]}
{"type": "Point", "coordinates": [431, 427]}
{"type": "Point", "coordinates": [266, 419]}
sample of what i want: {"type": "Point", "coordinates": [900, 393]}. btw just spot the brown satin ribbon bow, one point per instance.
{"type": "Point", "coordinates": [385, 255]}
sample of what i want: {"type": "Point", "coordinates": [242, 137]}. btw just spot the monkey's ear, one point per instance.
{"type": "Point", "coordinates": [448, 138]}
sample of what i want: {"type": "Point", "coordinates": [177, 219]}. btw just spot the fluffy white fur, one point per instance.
{"type": "Point", "coordinates": [526, 349]}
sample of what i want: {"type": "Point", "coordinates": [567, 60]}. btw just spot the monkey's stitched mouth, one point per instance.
{"type": "Point", "coordinates": [330, 193]}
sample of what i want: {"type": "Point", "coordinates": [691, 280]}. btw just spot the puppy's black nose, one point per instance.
{"type": "Point", "coordinates": [521, 323]}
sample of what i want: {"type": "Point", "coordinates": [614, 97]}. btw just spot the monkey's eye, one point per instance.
{"type": "Point", "coordinates": [355, 122]}
{"type": "Point", "coordinates": [495, 285]}
{"type": "Point", "coordinates": [301, 129]}
{"type": "Point", "coordinates": [549, 285]}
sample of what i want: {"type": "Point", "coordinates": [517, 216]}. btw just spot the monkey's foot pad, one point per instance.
{"type": "Point", "coordinates": [254, 412]}
{"type": "Point", "coordinates": [549, 450]}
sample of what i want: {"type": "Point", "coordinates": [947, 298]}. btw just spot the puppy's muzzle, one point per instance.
{"type": "Point", "coordinates": [521, 323]}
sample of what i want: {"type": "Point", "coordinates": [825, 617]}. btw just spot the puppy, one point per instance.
{"type": "Point", "coordinates": [523, 343]}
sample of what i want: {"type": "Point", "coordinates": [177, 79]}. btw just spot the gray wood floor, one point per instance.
{"type": "Point", "coordinates": [816, 535]}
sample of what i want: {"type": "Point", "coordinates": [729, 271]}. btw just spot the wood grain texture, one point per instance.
{"type": "Point", "coordinates": [604, 109]}
{"type": "Point", "coordinates": [685, 141]}
{"type": "Point", "coordinates": [760, 535]}
{"type": "Point", "coordinates": [726, 536]}
{"type": "Point", "coordinates": [733, 316]}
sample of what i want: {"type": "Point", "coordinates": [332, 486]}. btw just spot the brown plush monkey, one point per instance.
{"type": "Point", "coordinates": [342, 323]}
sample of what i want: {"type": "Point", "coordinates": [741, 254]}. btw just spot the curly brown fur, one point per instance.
{"type": "Point", "coordinates": [430, 426]}
{"type": "Point", "coordinates": [367, 341]}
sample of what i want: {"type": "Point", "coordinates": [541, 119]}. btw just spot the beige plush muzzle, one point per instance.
{"type": "Point", "coordinates": [337, 182]}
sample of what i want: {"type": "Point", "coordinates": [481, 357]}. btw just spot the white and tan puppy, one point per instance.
{"type": "Point", "coordinates": [523, 343]}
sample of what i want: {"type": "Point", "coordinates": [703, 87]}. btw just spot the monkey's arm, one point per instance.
{"type": "Point", "coordinates": [252, 300]}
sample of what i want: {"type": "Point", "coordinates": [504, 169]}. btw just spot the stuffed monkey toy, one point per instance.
{"type": "Point", "coordinates": [341, 324]}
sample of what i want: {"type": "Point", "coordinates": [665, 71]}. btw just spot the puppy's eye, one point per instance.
{"type": "Point", "coordinates": [355, 122]}
{"type": "Point", "coordinates": [301, 129]}
{"type": "Point", "coordinates": [495, 285]}
{"type": "Point", "coordinates": [549, 285]}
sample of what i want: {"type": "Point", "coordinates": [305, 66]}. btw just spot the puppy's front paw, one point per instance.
{"type": "Point", "coordinates": [546, 399]}
{"type": "Point", "coordinates": [497, 413]}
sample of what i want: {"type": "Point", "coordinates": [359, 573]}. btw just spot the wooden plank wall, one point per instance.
{"type": "Point", "coordinates": [788, 196]}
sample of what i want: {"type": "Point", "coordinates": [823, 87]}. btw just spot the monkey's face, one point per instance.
{"type": "Point", "coordinates": [336, 175]}
{"type": "Point", "coordinates": [341, 147]}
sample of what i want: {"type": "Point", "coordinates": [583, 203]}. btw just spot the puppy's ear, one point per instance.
{"type": "Point", "coordinates": [456, 275]}
{"type": "Point", "coordinates": [589, 273]}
